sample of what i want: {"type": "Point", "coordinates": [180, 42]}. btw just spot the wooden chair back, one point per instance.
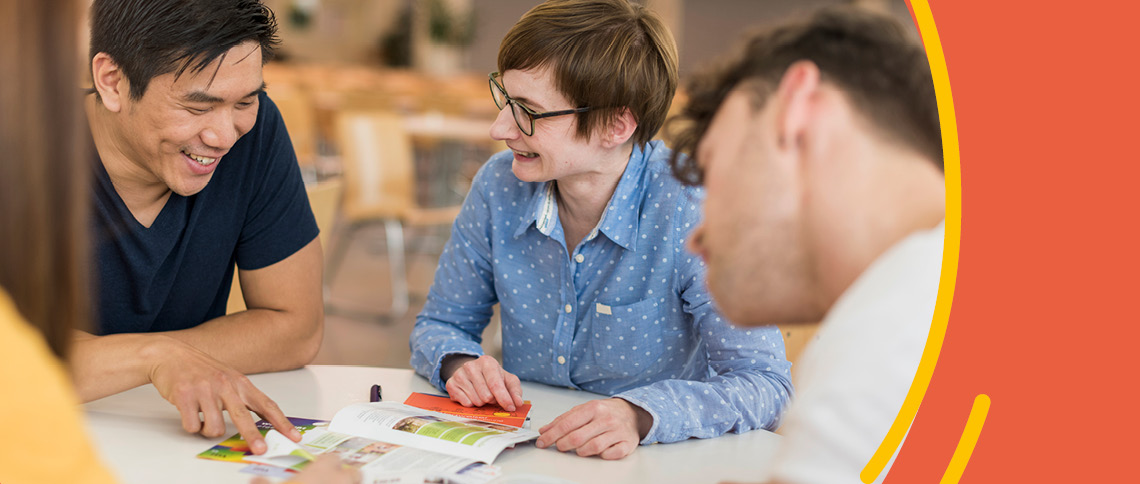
{"type": "Point", "coordinates": [377, 162]}
{"type": "Point", "coordinates": [300, 115]}
{"type": "Point", "coordinates": [324, 198]}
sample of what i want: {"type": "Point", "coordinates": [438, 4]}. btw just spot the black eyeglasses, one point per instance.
{"type": "Point", "coordinates": [524, 116]}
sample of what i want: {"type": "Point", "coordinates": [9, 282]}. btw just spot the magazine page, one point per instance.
{"type": "Point", "coordinates": [409, 426]}
{"type": "Point", "coordinates": [378, 462]}
{"type": "Point", "coordinates": [235, 448]}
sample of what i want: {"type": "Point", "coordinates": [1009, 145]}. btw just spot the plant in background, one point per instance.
{"type": "Point", "coordinates": [448, 25]}
{"type": "Point", "coordinates": [301, 13]}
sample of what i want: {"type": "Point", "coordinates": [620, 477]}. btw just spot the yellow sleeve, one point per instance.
{"type": "Point", "coordinates": [44, 439]}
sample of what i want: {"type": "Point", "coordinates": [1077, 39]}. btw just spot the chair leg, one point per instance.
{"type": "Point", "coordinates": [395, 232]}
{"type": "Point", "coordinates": [336, 258]}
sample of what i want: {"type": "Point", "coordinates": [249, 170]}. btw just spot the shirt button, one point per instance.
{"type": "Point", "coordinates": [561, 360]}
{"type": "Point", "coordinates": [580, 258]}
{"type": "Point", "coordinates": [569, 308]}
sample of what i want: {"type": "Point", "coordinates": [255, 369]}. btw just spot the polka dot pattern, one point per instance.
{"type": "Point", "coordinates": [624, 313]}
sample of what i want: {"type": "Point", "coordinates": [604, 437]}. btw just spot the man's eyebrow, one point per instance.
{"type": "Point", "coordinates": [257, 91]}
{"type": "Point", "coordinates": [202, 97]}
{"type": "Point", "coordinates": [207, 98]}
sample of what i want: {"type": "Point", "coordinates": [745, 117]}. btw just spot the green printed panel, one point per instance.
{"type": "Point", "coordinates": [437, 429]}
{"type": "Point", "coordinates": [223, 454]}
{"type": "Point", "coordinates": [475, 436]}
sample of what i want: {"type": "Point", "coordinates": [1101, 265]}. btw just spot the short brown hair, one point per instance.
{"type": "Point", "coordinates": [869, 56]}
{"type": "Point", "coordinates": [604, 54]}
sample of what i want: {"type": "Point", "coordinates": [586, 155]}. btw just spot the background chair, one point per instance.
{"type": "Point", "coordinates": [796, 339]}
{"type": "Point", "coordinates": [380, 187]}
{"type": "Point", "coordinates": [323, 198]}
{"type": "Point", "coordinates": [299, 112]}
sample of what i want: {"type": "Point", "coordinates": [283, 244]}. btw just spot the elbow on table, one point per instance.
{"type": "Point", "coordinates": [306, 346]}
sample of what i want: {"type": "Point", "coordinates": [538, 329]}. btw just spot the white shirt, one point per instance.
{"type": "Point", "coordinates": [853, 379]}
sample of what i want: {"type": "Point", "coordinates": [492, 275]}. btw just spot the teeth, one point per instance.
{"type": "Point", "coordinates": [526, 153]}
{"type": "Point", "coordinates": [202, 160]}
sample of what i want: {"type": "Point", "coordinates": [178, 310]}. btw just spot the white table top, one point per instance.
{"type": "Point", "coordinates": [140, 435]}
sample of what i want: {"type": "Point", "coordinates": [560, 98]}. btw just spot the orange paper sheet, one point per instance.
{"type": "Point", "coordinates": [487, 413]}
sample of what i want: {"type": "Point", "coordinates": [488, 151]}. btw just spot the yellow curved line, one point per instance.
{"type": "Point", "coordinates": [968, 441]}
{"type": "Point", "coordinates": [953, 172]}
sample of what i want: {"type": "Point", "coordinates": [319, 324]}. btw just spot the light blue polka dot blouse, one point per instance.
{"type": "Point", "coordinates": [626, 313]}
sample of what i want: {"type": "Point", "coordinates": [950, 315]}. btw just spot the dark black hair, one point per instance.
{"type": "Point", "coordinates": [871, 57]}
{"type": "Point", "coordinates": [148, 38]}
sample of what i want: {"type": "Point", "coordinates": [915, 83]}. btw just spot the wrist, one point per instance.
{"type": "Point", "coordinates": [451, 363]}
{"type": "Point", "coordinates": [154, 349]}
{"type": "Point", "coordinates": [642, 418]}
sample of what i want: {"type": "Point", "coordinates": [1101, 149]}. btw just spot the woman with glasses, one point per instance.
{"type": "Point", "coordinates": [578, 233]}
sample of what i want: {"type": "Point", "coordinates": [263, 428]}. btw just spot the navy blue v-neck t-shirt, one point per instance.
{"type": "Point", "coordinates": [177, 273]}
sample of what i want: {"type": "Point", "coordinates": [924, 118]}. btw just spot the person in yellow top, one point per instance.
{"type": "Point", "coordinates": [44, 293]}
{"type": "Point", "coordinates": [43, 430]}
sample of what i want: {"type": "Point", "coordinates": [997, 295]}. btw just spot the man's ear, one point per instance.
{"type": "Point", "coordinates": [794, 101]}
{"type": "Point", "coordinates": [109, 81]}
{"type": "Point", "coordinates": [621, 129]}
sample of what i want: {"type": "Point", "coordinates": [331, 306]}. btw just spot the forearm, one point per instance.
{"type": "Point", "coordinates": [106, 365]}
{"type": "Point", "coordinates": [431, 341]}
{"type": "Point", "coordinates": [283, 327]}
{"type": "Point", "coordinates": [252, 341]}
{"type": "Point", "coordinates": [737, 401]}
{"type": "Point", "coordinates": [258, 340]}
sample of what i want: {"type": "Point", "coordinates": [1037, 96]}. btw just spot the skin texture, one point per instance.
{"type": "Point", "coordinates": [199, 370]}
{"type": "Point", "coordinates": [479, 381]}
{"type": "Point", "coordinates": [610, 428]}
{"type": "Point", "coordinates": [586, 172]}
{"type": "Point", "coordinates": [745, 180]}
{"type": "Point", "coordinates": [145, 144]}
{"type": "Point", "coordinates": [801, 197]}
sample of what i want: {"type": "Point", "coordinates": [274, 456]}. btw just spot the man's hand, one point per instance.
{"type": "Point", "coordinates": [198, 384]}
{"type": "Point", "coordinates": [610, 428]}
{"type": "Point", "coordinates": [479, 381]}
{"type": "Point", "coordinates": [327, 469]}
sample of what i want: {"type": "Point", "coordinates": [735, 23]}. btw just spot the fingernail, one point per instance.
{"type": "Point", "coordinates": [258, 447]}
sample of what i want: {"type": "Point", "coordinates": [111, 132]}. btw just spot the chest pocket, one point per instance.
{"type": "Point", "coordinates": [630, 340]}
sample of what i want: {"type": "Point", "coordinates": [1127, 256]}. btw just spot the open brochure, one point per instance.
{"type": "Point", "coordinates": [389, 443]}
{"type": "Point", "coordinates": [378, 462]}
{"type": "Point", "coordinates": [423, 429]}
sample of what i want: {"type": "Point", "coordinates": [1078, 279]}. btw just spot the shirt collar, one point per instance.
{"type": "Point", "coordinates": [623, 213]}
{"type": "Point", "coordinates": [620, 220]}
{"type": "Point", "coordinates": [541, 211]}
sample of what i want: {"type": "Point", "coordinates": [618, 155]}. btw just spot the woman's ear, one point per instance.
{"type": "Point", "coordinates": [109, 81]}
{"type": "Point", "coordinates": [621, 128]}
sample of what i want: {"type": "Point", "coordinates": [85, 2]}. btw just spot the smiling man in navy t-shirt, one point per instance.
{"type": "Point", "coordinates": [195, 173]}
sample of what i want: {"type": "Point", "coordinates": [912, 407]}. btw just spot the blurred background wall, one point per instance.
{"type": "Point", "coordinates": [355, 31]}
